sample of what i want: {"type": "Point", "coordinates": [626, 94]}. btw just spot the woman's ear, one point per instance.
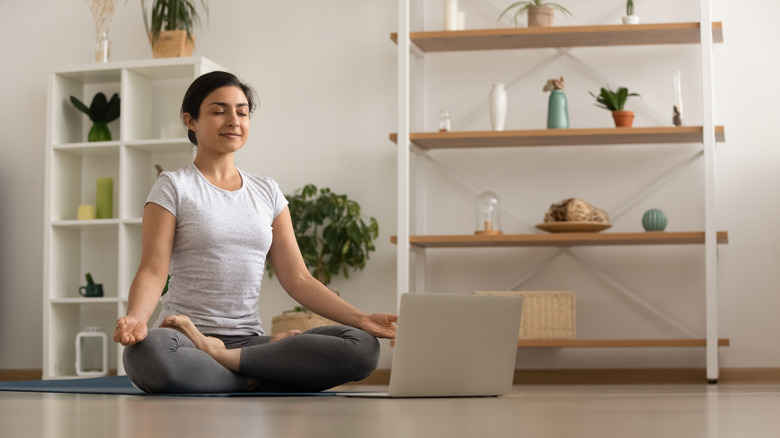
{"type": "Point", "coordinates": [188, 121]}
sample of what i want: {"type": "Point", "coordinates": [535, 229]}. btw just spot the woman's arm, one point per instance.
{"type": "Point", "coordinates": [159, 227]}
{"type": "Point", "coordinates": [288, 264]}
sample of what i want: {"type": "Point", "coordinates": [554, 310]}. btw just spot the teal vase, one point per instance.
{"type": "Point", "coordinates": [99, 132]}
{"type": "Point", "coordinates": [558, 111]}
{"type": "Point", "coordinates": [654, 220]}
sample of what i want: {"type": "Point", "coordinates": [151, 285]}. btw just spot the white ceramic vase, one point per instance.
{"type": "Point", "coordinates": [450, 14]}
{"type": "Point", "coordinates": [497, 103]}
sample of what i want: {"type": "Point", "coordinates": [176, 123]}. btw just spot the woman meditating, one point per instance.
{"type": "Point", "coordinates": [211, 226]}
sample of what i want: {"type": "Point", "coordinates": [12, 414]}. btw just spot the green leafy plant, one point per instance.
{"type": "Point", "coordinates": [89, 278]}
{"type": "Point", "coordinates": [525, 5]}
{"type": "Point", "coordinates": [612, 100]}
{"type": "Point", "coordinates": [101, 112]}
{"type": "Point", "coordinates": [630, 7]}
{"type": "Point", "coordinates": [330, 232]}
{"type": "Point", "coordinates": [160, 15]}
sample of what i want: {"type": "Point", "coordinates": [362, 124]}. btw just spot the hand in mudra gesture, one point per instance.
{"type": "Point", "coordinates": [381, 325]}
{"type": "Point", "coordinates": [129, 330]}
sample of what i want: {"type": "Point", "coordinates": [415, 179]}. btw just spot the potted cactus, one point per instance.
{"type": "Point", "coordinates": [630, 18]}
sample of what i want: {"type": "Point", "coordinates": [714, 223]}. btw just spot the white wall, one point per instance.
{"type": "Point", "coordinates": [325, 74]}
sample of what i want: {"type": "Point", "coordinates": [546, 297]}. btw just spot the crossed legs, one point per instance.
{"type": "Point", "coordinates": [178, 358]}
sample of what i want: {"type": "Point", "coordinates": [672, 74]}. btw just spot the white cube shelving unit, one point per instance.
{"type": "Point", "coordinates": [110, 249]}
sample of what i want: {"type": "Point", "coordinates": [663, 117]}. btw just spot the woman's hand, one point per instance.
{"type": "Point", "coordinates": [129, 330]}
{"type": "Point", "coordinates": [381, 325]}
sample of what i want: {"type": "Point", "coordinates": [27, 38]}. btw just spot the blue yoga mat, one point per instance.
{"type": "Point", "coordinates": [121, 385]}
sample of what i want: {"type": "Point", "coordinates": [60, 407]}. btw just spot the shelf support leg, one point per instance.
{"type": "Point", "coordinates": [402, 247]}
{"type": "Point", "coordinates": [710, 238]}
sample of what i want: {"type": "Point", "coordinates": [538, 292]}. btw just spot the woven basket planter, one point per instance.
{"type": "Point", "coordinates": [172, 44]}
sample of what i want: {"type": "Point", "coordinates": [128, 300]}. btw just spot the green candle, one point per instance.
{"type": "Point", "coordinates": [105, 198]}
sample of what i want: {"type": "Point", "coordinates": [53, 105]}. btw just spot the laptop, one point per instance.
{"type": "Point", "coordinates": [454, 345]}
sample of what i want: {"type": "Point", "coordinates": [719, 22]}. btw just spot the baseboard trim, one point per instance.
{"type": "Point", "coordinates": [561, 376]}
{"type": "Point", "coordinates": [17, 375]}
{"type": "Point", "coordinates": [621, 376]}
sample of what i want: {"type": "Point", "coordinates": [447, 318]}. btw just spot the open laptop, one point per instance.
{"type": "Point", "coordinates": [454, 345]}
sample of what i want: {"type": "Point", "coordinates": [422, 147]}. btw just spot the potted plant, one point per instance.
{"type": "Point", "coordinates": [615, 101]}
{"type": "Point", "coordinates": [333, 237]}
{"type": "Point", "coordinates": [170, 24]}
{"type": "Point", "coordinates": [630, 18]}
{"type": "Point", "coordinates": [540, 12]}
{"type": "Point", "coordinates": [102, 112]}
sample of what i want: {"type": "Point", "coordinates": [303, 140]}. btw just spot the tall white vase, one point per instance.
{"type": "Point", "coordinates": [450, 14]}
{"type": "Point", "coordinates": [497, 104]}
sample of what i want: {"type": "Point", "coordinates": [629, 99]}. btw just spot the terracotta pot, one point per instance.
{"type": "Point", "coordinates": [172, 44]}
{"type": "Point", "coordinates": [623, 119]}
{"type": "Point", "coordinates": [540, 16]}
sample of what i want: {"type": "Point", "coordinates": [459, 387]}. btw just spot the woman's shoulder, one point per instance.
{"type": "Point", "coordinates": [179, 176]}
{"type": "Point", "coordinates": [263, 181]}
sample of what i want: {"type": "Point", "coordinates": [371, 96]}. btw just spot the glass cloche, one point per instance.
{"type": "Point", "coordinates": [488, 217]}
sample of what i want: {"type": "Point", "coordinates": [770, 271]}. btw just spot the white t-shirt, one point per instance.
{"type": "Point", "coordinates": [219, 250]}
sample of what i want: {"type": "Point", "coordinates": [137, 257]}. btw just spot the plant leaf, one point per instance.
{"type": "Point", "coordinates": [79, 105]}
{"type": "Point", "coordinates": [330, 232]}
{"type": "Point", "coordinates": [112, 111]}
{"type": "Point", "coordinates": [97, 109]}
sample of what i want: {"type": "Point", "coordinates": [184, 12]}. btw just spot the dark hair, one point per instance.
{"type": "Point", "coordinates": [203, 86]}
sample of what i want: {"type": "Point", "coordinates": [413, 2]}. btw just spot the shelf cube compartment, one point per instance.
{"type": "Point", "coordinates": [147, 110]}
{"type": "Point", "coordinates": [68, 124]}
{"type": "Point", "coordinates": [67, 320]}
{"type": "Point", "coordinates": [75, 172]}
{"type": "Point", "coordinates": [78, 249]}
{"type": "Point", "coordinates": [139, 171]}
{"type": "Point", "coordinates": [129, 257]}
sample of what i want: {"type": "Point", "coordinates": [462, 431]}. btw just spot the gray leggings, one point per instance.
{"type": "Point", "coordinates": [320, 358]}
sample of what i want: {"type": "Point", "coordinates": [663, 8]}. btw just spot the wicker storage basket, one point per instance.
{"type": "Point", "coordinates": [298, 321]}
{"type": "Point", "coordinates": [546, 315]}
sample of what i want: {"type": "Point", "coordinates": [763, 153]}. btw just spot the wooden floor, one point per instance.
{"type": "Point", "coordinates": [603, 411]}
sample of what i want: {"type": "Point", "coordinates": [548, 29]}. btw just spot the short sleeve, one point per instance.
{"type": "Point", "coordinates": [164, 193]}
{"type": "Point", "coordinates": [278, 198]}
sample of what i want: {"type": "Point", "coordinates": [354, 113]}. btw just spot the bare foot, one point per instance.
{"type": "Point", "coordinates": [215, 348]}
{"type": "Point", "coordinates": [284, 335]}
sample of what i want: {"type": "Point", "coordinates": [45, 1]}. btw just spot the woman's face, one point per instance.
{"type": "Point", "coordinates": [223, 124]}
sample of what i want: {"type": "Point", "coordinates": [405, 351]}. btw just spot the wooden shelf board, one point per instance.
{"type": "Point", "coordinates": [86, 223]}
{"type": "Point", "coordinates": [562, 239]}
{"type": "Point", "coordinates": [560, 137]}
{"type": "Point", "coordinates": [83, 300]}
{"type": "Point", "coordinates": [613, 343]}
{"type": "Point", "coordinates": [89, 148]}
{"type": "Point", "coordinates": [561, 36]}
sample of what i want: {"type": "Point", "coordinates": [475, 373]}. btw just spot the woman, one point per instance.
{"type": "Point", "coordinates": [211, 227]}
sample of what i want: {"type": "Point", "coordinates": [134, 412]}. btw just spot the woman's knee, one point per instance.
{"type": "Point", "coordinates": [149, 363]}
{"type": "Point", "coordinates": [366, 351]}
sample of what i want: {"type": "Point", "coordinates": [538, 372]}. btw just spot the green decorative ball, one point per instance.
{"type": "Point", "coordinates": [654, 220]}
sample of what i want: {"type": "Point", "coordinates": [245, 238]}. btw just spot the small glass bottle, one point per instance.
{"type": "Point", "coordinates": [445, 121]}
{"type": "Point", "coordinates": [488, 208]}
